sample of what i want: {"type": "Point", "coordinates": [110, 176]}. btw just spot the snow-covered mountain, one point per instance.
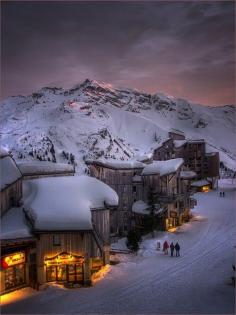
{"type": "Point", "coordinates": [94, 120]}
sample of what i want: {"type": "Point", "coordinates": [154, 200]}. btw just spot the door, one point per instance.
{"type": "Point", "coordinates": [61, 273]}
{"type": "Point", "coordinates": [79, 273]}
{"type": "Point", "coordinates": [71, 273]}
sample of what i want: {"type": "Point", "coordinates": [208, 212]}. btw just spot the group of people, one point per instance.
{"type": "Point", "coordinates": [172, 247]}
{"type": "Point", "coordinates": [222, 193]}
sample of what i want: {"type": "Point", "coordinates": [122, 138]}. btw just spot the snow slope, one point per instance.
{"type": "Point", "coordinates": [94, 120]}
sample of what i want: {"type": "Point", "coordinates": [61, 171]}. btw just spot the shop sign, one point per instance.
{"type": "Point", "coordinates": [63, 259]}
{"type": "Point", "coordinates": [173, 214]}
{"type": "Point", "coordinates": [11, 260]}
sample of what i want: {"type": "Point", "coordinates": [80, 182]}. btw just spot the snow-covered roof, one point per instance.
{"type": "Point", "coordinates": [14, 225]}
{"type": "Point", "coordinates": [200, 183]}
{"type": "Point", "coordinates": [144, 157]}
{"type": "Point", "coordinates": [38, 167]}
{"type": "Point", "coordinates": [64, 203]}
{"type": "Point", "coordinates": [187, 174]}
{"type": "Point", "coordinates": [3, 152]}
{"type": "Point", "coordinates": [179, 143]}
{"type": "Point", "coordinates": [141, 207]}
{"type": "Point", "coordinates": [195, 140]}
{"type": "Point", "coordinates": [163, 167]}
{"type": "Point", "coordinates": [176, 131]}
{"type": "Point", "coordinates": [117, 164]}
{"type": "Point", "coordinates": [158, 145]}
{"type": "Point", "coordinates": [9, 171]}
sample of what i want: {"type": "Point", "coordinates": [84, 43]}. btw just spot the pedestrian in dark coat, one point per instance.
{"type": "Point", "coordinates": [177, 248]}
{"type": "Point", "coordinates": [165, 247]}
{"type": "Point", "coordinates": [220, 193]}
{"type": "Point", "coordinates": [172, 248]}
{"type": "Point", "coordinates": [223, 193]}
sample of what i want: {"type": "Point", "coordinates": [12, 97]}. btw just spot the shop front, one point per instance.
{"type": "Point", "coordinates": [65, 268]}
{"type": "Point", "coordinates": [13, 270]}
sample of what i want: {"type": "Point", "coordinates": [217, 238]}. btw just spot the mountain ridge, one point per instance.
{"type": "Point", "coordinates": [94, 119]}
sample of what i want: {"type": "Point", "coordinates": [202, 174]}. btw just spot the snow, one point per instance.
{"type": "Point", "coordinates": [187, 174]}
{"type": "Point", "coordinates": [200, 183]}
{"type": "Point", "coordinates": [135, 123]}
{"type": "Point", "coordinates": [14, 224]}
{"type": "Point", "coordinates": [197, 282]}
{"type": "Point", "coordinates": [163, 167]}
{"type": "Point", "coordinates": [42, 167]}
{"type": "Point", "coordinates": [140, 207]}
{"type": "Point", "coordinates": [64, 203]}
{"type": "Point", "coordinates": [3, 152]}
{"type": "Point", "coordinates": [9, 172]}
{"type": "Point", "coordinates": [179, 143]}
{"type": "Point", "coordinates": [130, 164]}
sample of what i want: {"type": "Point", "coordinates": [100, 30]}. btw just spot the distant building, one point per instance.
{"type": "Point", "coordinates": [205, 165]}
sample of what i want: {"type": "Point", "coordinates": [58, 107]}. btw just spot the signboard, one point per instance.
{"type": "Point", "coordinates": [64, 259]}
{"type": "Point", "coordinates": [14, 259]}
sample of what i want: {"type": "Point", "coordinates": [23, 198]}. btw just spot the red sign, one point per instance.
{"type": "Point", "coordinates": [11, 260]}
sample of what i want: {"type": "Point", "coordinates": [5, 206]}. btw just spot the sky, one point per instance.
{"type": "Point", "coordinates": [180, 48]}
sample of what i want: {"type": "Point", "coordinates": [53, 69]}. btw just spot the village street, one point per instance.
{"type": "Point", "coordinates": [197, 282]}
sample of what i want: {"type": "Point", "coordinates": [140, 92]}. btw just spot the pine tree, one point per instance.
{"type": "Point", "coordinates": [150, 220]}
{"type": "Point", "coordinates": [133, 239]}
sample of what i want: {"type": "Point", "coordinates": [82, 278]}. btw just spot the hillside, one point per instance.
{"type": "Point", "coordinates": [95, 119]}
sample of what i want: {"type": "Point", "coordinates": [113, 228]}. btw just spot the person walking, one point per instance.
{"type": "Point", "coordinates": [223, 193]}
{"type": "Point", "coordinates": [172, 248]}
{"type": "Point", "coordinates": [220, 193]}
{"type": "Point", "coordinates": [165, 247]}
{"type": "Point", "coordinates": [177, 249]}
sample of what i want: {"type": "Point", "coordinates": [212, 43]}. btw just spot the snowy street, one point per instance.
{"type": "Point", "coordinates": [197, 282]}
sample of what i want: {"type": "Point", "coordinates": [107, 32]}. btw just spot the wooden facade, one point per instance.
{"type": "Point", "coordinates": [131, 186]}
{"type": "Point", "coordinates": [82, 244]}
{"type": "Point", "coordinates": [10, 196]}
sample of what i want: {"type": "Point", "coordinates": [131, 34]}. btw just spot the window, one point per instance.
{"type": "Point", "coordinates": [134, 188]}
{"type": "Point", "coordinates": [56, 240]}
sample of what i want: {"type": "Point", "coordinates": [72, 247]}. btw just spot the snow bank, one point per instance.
{"type": "Point", "coordinates": [64, 203]}
{"type": "Point", "coordinates": [9, 171]}
{"type": "Point", "coordinates": [14, 225]}
{"type": "Point", "coordinates": [37, 167]}
{"type": "Point", "coordinates": [163, 167]}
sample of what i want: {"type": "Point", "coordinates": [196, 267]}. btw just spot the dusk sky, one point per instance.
{"type": "Point", "coordinates": [185, 49]}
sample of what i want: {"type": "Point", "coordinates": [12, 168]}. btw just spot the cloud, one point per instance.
{"type": "Point", "coordinates": [184, 49]}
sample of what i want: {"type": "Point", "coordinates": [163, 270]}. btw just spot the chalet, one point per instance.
{"type": "Point", "coordinates": [57, 230]}
{"type": "Point", "coordinates": [163, 177]}
{"type": "Point", "coordinates": [10, 182]}
{"type": "Point", "coordinates": [125, 178]}
{"type": "Point", "coordinates": [70, 219]}
{"type": "Point", "coordinates": [133, 181]}
{"type": "Point", "coordinates": [205, 165]}
{"type": "Point", "coordinates": [17, 241]}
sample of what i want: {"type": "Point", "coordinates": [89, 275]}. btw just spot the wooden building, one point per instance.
{"type": "Point", "coordinates": [124, 177]}
{"type": "Point", "coordinates": [205, 165]}
{"type": "Point", "coordinates": [10, 182]}
{"type": "Point", "coordinates": [70, 219]}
